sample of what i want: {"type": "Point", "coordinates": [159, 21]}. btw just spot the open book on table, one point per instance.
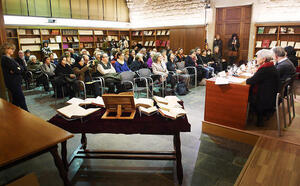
{"type": "Point", "coordinates": [75, 111]}
{"type": "Point", "coordinates": [148, 111]}
{"type": "Point", "coordinates": [98, 101]}
{"type": "Point", "coordinates": [144, 102]}
{"type": "Point", "coordinates": [173, 113]}
{"type": "Point", "coordinates": [166, 100]}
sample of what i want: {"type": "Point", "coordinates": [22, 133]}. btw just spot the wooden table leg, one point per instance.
{"type": "Point", "coordinates": [179, 170]}
{"type": "Point", "coordinates": [83, 141]}
{"type": "Point", "coordinates": [60, 166]}
{"type": "Point", "coordinates": [64, 155]}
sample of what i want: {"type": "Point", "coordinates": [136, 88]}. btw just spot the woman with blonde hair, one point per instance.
{"type": "Point", "coordinates": [12, 73]}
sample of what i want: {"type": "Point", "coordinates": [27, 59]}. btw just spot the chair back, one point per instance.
{"type": "Point", "coordinates": [127, 76]}
{"type": "Point", "coordinates": [180, 65]}
{"type": "Point", "coordinates": [144, 72]}
{"type": "Point", "coordinates": [284, 86]}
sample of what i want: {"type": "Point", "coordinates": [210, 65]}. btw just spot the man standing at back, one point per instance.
{"type": "Point", "coordinates": [284, 66]}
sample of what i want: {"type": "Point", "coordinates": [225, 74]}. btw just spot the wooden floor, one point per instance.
{"type": "Point", "coordinates": [274, 160]}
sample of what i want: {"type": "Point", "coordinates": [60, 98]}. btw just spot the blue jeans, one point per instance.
{"type": "Point", "coordinates": [208, 70]}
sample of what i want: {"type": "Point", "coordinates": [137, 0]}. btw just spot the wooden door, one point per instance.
{"type": "Point", "coordinates": [237, 20]}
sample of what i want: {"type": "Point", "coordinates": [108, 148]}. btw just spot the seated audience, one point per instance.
{"type": "Point", "coordinates": [121, 65]}
{"type": "Point", "coordinates": [291, 55]}
{"type": "Point", "coordinates": [126, 55]}
{"type": "Point", "coordinates": [190, 61]}
{"type": "Point", "coordinates": [284, 66]}
{"type": "Point", "coordinates": [72, 53]}
{"type": "Point", "coordinates": [34, 66]}
{"type": "Point", "coordinates": [112, 79]}
{"type": "Point", "coordinates": [49, 69]}
{"type": "Point", "coordinates": [160, 68]}
{"type": "Point", "coordinates": [264, 86]}
{"type": "Point", "coordinates": [172, 67]}
{"type": "Point", "coordinates": [27, 55]}
{"type": "Point", "coordinates": [149, 61]}
{"type": "Point", "coordinates": [138, 63]}
{"type": "Point", "coordinates": [164, 57]}
{"type": "Point", "coordinates": [23, 64]}
{"type": "Point", "coordinates": [84, 72]}
{"type": "Point", "coordinates": [202, 63]}
{"type": "Point", "coordinates": [204, 60]}
{"type": "Point", "coordinates": [218, 61]}
{"type": "Point", "coordinates": [53, 60]}
{"type": "Point", "coordinates": [64, 77]}
{"type": "Point", "coordinates": [180, 56]}
{"type": "Point", "coordinates": [131, 57]}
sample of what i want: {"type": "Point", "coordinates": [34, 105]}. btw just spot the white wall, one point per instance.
{"type": "Point", "coordinates": [151, 13]}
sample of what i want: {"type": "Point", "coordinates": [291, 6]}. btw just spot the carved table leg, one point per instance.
{"type": "Point", "coordinates": [179, 170]}
{"type": "Point", "coordinates": [60, 166]}
{"type": "Point", "coordinates": [83, 141]}
{"type": "Point", "coordinates": [64, 155]}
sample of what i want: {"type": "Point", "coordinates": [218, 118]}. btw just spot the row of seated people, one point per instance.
{"type": "Point", "coordinates": [167, 65]}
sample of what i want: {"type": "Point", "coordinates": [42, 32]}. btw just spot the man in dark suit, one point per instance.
{"type": "Point", "coordinates": [284, 66]}
{"type": "Point", "coordinates": [23, 64]}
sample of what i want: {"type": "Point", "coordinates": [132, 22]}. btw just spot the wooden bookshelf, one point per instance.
{"type": "Point", "coordinates": [286, 34]}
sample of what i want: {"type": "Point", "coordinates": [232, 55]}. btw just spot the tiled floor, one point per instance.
{"type": "Point", "coordinates": [207, 160]}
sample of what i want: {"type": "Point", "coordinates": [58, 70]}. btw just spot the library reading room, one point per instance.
{"type": "Point", "coordinates": [150, 92]}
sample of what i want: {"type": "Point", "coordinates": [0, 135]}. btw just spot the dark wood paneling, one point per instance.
{"type": "Point", "coordinates": [234, 20]}
{"type": "Point", "coordinates": [2, 40]}
{"type": "Point", "coordinates": [187, 38]}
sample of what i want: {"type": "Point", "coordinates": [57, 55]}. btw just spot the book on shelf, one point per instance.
{"type": "Point", "coordinates": [168, 43]}
{"type": "Point", "coordinates": [98, 32]}
{"type": "Point", "coordinates": [297, 45]}
{"type": "Point", "coordinates": [58, 39]}
{"type": "Point", "coordinates": [146, 43]}
{"type": "Point", "coordinates": [65, 46]}
{"type": "Point", "coordinates": [283, 30]}
{"type": "Point", "coordinates": [69, 39]}
{"type": "Point", "coordinates": [36, 32]}
{"type": "Point", "coordinates": [88, 45]}
{"type": "Point", "coordinates": [52, 40]}
{"type": "Point", "coordinates": [150, 33]}
{"type": "Point", "coordinates": [151, 43]}
{"type": "Point", "coordinates": [283, 43]}
{"type": "Point", "coordinates": [173, 114]}
{"type": "Point", "coordinates": [45, 32]}
{"type": "Point", "coordinates": [85, 32]}
{"type": "Point", "coordinates": [158, 32]}
{"type": "Point", "coordinates": [291, 30]}
{"type": "Point", "coordinates": [70, 32]}
{"type": "Point", "coordinates": [163, 43]}
{"type": "Point", "coordinates": [75, 38]}
{"type": "Point", "coordinates": [157, 43]}
{"type": "Point", "coordinates": [98, 101]}
{"type": "Point", "coordinates": [80, 45]}
{"type": "Point", "coordinates": [298, 53]}
{"type": "Point", "coordinates": [54, 32]}
{"type": "Point", "coordinates": [168, 32]}
{"type": "Point", "coordinates": [144, 102]}
{"type": "Point", "coordinates": [53, 46]}
{"type": "Point", "coordinates": [30, 40]}
{"type": "Point", "coordinates": [145, 33]}
{"type": "Point", "coordinates": [265, 43]}
{"type": "Point", "coordinates": [109, 38]}
{"type": "Point", "coordinates": [127, 38]}
{"type": "Point", "coordinates": [21, 31]}
{"type": "Point", "coordinates": [273, 44]}
{"type": "Point", "coordinates": [291, 43]}
{"type": "Point", "coordinates": [65, 39]}
{"type": "Point", "coordinates": [75, 111]}
{"type": "Point", "coordinates": [75, 45]}
{"type": "Point", "coordinates": [258, 44]}
{"type": "Point", "coordinates": [261, 30]}
{"type": "Point", "coordinates": [148, 111]}
{"type": "Point", "coordinates": [272, 30]}
{"type": "Point", "coordinates": [163, 32]}
{"type": "Point", "coordinates": [31, 47]}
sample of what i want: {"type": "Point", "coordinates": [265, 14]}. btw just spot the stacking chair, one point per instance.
{"type": "Point", "coordinates": [128, 77]}
{"type": "Point", "coordinates": [146, 73]}
{"type": "Point", "coordinates": [85, 83]}
{"type": "Point", "coordinates": [181, 66]}
{"type": "Point", "coordinates": [281, 96]}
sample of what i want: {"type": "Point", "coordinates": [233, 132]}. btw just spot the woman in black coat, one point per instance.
{"type": "Point", "coordinates": [12, 73]}
{"type": "Point", "coordinates": [264, 86]}
{"type": "Point", "coordinates": [291, 54]}
{"type": "Point", "coordinates": [64, 77]}
{"type": "Point", "coordinates": [138, 63]}
{"type": "Point", "coordinates": [233, 48]}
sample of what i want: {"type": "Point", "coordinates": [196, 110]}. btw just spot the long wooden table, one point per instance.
{"type": "Point", "coordinates": [24, 136]}
{"type": "Point", "coordinates": [226, 104]}
{"type": "Point", "coordinates": [152, 125]}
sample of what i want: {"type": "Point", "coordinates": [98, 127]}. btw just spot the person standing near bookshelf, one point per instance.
{"type": "Point", "coordinates": [233, 48]}
{"type": "Point", "coordinates": [218, 42]}
{"type": "Point", "coordinates": [12, 73]}
{"type": "Point", "coordinates": [46, 49]}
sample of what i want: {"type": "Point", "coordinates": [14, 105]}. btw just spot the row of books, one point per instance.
{"type": "Point", "coordinates": [37, 32]}
{"type": "Point", "coordinates": [31, 47]}
{"type": "Point", "coordinates": [298, 53]}
{"type": "Point", "coordinates": [157, 43]}
{"type": "Point", "coordinates": [283, 30]}
{"type": "Point", "coordinates": [86, 39]}
{"type": "Point", "coordinates": [30, 40]}
{"type": "Point", "coordinates": [71, 45]}
{"type": "Point", "coordinates": [57, 39]}
{"type": "Point", "coordinates": [151, 33]}
{"type": "Point", "coordinates": [268, 44]}
{"type": "Point", "coordinates": [70, 39]}
{"type": "Point", "coordinates": [54, 46]}
{"type": "Point", "coordinates": [69, 32]}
